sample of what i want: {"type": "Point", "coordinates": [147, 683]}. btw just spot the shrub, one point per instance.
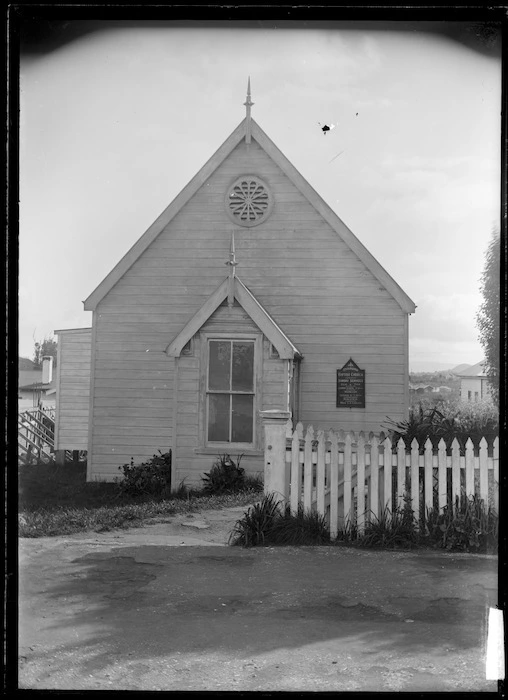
{"type": "Point", "coordinates": [267, 523]}
{"type": "Point", "coordinates": [455, 419]}
{"type": "Point", "coordinates": [391, 530]}
{"type": "Point", "coordinates": [150, 478]}
{"type": "Point", "coordinates": [251, 530]}
{"type": "Point", "coordinates": [225, 476]}
{"type": "Point", "coordinates": [467, 526]}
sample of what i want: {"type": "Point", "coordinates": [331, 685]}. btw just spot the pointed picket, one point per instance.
{"type": "Point", "coordinates": [401, 472]}
{"type": "Point", "coordinates": [360, 483]}
{"type": "Point", "coordinates": [470, 490]}
{"type": "Point", "coordinates": [415, 479]}
{"type": "Point", "coordinates": [296, 474]}
{"type": "Point", "coordinates": [455, 470]}
{"type": "Point", "coordinates": [307, 469]}
{"type": "Point", "coordinates": [387, 455]}
{"type": "Point", "coordinates": [374, 476]}
{"type": "Point", "coordinates": [429, 480]}
{"type": "Point", "coordinates": [321, 472]}
{"type": "Point", "coordinates": [484, 474]}
{"type": "Point", "coordinates": [441, 461]}
{"type": "Point", "coordinates": [348, 515]}
{"type": "Point", "coordinates": [495, 456]}
{"type": "Point", "coordinates": [334, 484]}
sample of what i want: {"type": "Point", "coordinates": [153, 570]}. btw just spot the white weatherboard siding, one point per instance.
{"type": "Point", "coordinates": [191, 463]}
{"type": "Point", "coordinates": [315, 288]}
{"type": "Point", "coordinates": [72, 389]}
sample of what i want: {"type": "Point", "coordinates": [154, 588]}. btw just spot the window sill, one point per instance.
{"type": "Point", "coordinates": [232, 451]}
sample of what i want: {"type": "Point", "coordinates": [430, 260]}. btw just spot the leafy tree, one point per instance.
{"type": "Point", "coordinates": [47, 347]}
{"type": "Point", "coordinates": [488, 316]}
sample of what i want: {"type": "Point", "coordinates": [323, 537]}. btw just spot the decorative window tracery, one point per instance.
{"type": "Point", "coordinates": [248, 201]}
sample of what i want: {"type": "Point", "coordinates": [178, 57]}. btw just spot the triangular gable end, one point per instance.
{"type": "Point", "coordinates": [298, 180]}
{"type": "Point", "coordinates": [263, 320]}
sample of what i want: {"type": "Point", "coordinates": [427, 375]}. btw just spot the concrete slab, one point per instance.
{"type": "Point", "coordinates": [130, 610]}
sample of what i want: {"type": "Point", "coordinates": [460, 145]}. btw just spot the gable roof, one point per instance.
{"type": "Point", "coordinates": [299, 182]}
{"type": "Point", "coordinates": [261, 317]}
{"type": "Point", "coordinates": [476, 370]}
{"type": "Point", "coordinates": [28, 377]}
{"type": "Point", "coordinates": [24, 363]}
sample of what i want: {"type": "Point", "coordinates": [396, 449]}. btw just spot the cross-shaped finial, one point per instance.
{"type": "Point", "coordinates": [248, 104]}
{"type": "Point", "coordinates": [232, 264]}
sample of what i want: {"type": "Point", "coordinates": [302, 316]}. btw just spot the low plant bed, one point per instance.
{"type": "Point", "coordinates": [466, 527]}
{"type": "Point", "coordinates": [57, 500]}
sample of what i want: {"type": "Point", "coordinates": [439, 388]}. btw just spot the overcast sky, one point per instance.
{"type": "Point", "coordinates": [115, 123]}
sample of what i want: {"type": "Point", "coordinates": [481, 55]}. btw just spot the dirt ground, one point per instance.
{"type": "Point", "coordinates": [170, 607]}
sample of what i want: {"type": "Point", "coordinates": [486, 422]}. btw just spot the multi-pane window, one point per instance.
{"type": "Point", "coordinates": [230, 391]}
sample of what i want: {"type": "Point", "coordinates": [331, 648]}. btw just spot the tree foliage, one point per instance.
{"type": "Point", "coordinates": [488, 317]}
{"type": "Point", "coordinates": [45, 348]}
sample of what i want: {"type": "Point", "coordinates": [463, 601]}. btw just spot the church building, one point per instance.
{"type": "Point", "coordinates": [247, 293]}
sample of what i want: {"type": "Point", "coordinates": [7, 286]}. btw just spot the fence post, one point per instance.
{"type": "Point", "coordinates": [274, 431]}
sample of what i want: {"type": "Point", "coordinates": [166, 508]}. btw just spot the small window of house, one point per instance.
{"type": "Point", "coordinates": [476, 396]}
{"type": "Point", "coordinates": [230, 391]}
{"type": "Point", "coordinates": [469, 396]}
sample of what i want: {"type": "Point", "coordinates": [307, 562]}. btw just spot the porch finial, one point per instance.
{"type": "Point", "coordinates": [248, 104]}
{"type": "Point", "coordinates": [232, 264]}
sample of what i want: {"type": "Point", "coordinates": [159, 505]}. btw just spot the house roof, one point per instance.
{"type": "Point", "coordinates": [72, 330]}
{"type": "Point", "coordinates": [29, 379]}
{"type": "Point", "coordinates": [255, 131]}
{"type": "Point", "coordinates": [476, 370]}
{"type": "Point", "coordinates": [25, 364]}
{"type": "Point", "coordinates": [261, 317]}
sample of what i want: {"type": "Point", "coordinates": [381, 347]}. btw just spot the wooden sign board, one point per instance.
{"type": "Point", "coordinates": [350, 386]}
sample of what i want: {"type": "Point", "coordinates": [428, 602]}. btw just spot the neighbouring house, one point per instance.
{"type": "Point", "coordinates": [247, 293]}
{"type": "Point", "coordinates": [421, 388]}
{"type": "Point", "coordinates": [36, 386]}
{"type": "Point", "coordinates": [72, 389]}
{"type": "Point", "coordinates": [474, 384]}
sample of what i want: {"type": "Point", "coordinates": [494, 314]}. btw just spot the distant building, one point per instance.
{"type": "Point", "coordinates": [35, 386]}
{"type": "Point", "coordinates": [474, 385]}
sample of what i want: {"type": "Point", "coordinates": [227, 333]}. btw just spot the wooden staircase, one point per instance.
{"type": "Point", "coordinates": [36, 435]}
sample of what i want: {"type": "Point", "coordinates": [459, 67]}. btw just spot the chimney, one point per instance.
{"type": "Point", "coordinates": [47, 369]}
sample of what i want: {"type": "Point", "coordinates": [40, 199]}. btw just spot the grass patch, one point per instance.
{"type": "Point", "coordinates": [57, 500]}
{"type": "Point", "coordinates": [266, 524]}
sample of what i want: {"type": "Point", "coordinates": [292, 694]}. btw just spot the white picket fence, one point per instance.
{"type": "Point", "coordinates": [353, 479]}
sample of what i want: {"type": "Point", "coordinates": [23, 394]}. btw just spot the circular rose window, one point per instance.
{"type": "Point", "coordinates": [248, 201]}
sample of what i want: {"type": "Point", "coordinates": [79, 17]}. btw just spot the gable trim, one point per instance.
{"type": "Point", "coordinates": [263, 320]}
{"type": "Point", "coordinates": [298, 181]}
{"type": "Point", "coordinates": [162, 221]}
{"type": "Point", "coordinates": [333, 220]}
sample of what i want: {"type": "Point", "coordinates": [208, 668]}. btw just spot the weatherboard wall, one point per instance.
{"type": "Point", "coordinates": [192, 456]}
{"type": "Point", "coordinates": [315, 288]}
{"type": "Point", "coordinates": [72, 389]}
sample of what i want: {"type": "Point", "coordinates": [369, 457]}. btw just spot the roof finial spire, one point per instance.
{"type": "Point", "coordinates": [232, 264]}
{"type": "Point", "coordinates": [248, 104]}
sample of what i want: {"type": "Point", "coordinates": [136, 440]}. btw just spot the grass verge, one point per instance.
{"type": "Point", "coordinates": [57, 500]}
